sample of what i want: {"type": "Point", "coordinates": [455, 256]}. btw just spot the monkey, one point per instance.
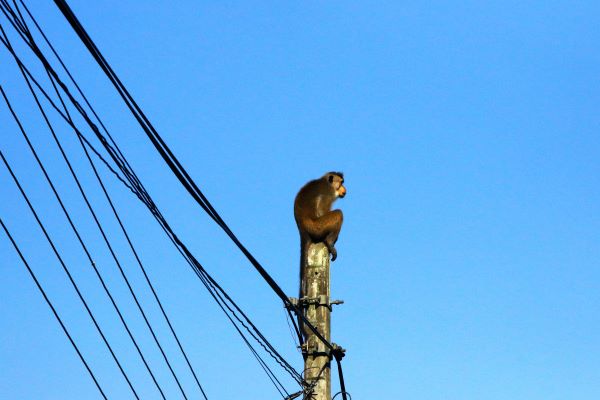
{"type": "Point", "coordinates": [316, 221]}
{"type": "Point", "coordinates": [312, 211]}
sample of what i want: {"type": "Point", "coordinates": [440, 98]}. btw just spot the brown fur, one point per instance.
{"type": "Point", "coordinates": [312, 210]}
{"type": "Point", "coordinates": [315, 219]}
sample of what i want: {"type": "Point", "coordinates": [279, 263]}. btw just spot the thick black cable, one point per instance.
{"type": "Point", "coordinates": [174, 164]}
{"type": "Point", "coordinates": [118, 159]}
{"type": "Point", "coordinates": [86, 101]}
{"type": "Point", "coordinates": [95, 130]}
{"type": "Point", "coordinates": [104, 236]}
{"type": "Point", "coordinates": [67, 272]}
{"type": "Point", "coordinates": [150, 204]}
{"type": "Point", "coordinates": [140, 308]}
{"type": "Point", "coordinates": [341, 375]}
{"type": "Point", "coordinates": [23, 31]}
{"type": "Point", "coordinates": [108, 198]}
{"type": "Point", "coordinates": [62, 325]}
{"type": "Point", "coordinates": [65, 118]}
{"type": "Point", "coordinates": [86, 251]}
{"type": "Point", "coordinates": [262, 363]}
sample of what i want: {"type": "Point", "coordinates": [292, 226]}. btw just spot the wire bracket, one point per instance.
{"type": "Point", "coordinates": [322, 300]}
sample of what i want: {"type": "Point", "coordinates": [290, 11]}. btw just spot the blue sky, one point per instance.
{"type": "Point", "coordinates": [468, 133]}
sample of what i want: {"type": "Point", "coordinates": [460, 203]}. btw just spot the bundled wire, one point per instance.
{"type": "Point", "coordinates": [185, 179]}
{"type": "Point", "coordinates": [175, 166]}
{"type": "Point", "coordinates": [135, 185]}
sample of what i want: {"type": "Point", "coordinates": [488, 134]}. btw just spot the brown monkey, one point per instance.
{"type": "Point", "coordinates": [316, 221]}
{"type": "Point", "coordinates": [312, 210]}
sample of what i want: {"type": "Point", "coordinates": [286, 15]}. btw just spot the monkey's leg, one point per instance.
{"type": "Point", "coordinates": [331, 224]}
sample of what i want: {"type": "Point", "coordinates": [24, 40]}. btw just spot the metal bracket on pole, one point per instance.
{"type": "Point", "coordinates": [315, 350]}
{"type": "Point", "coordinates": [338, 352]}
{"type": "Point", "coordinates": [322, 300]}
{"type": "Point", "coordinates": [293, 301]}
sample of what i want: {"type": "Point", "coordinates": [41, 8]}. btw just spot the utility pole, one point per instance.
{"type": "Point", "coordinates": [316, 305]}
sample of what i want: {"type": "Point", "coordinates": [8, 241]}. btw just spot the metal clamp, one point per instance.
{"type": "Point", "coordinates": [322, 300]}
{"type": "Point", "coordinates": [338, 351]}
{"type": "Point", "coordinates": [315, 350]}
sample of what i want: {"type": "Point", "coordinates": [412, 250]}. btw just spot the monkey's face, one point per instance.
{"type": "Point", "coordinates": [336, 180]}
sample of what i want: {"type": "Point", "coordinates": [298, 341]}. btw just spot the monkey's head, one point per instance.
{"type": "Point", "coordinates": [336, 181]}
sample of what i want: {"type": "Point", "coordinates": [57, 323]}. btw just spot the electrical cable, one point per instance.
{"type": "Point", "coordinates": [117, 156]}
{"type": "Point", "coordinates": [62, 325]}
{"type": "Point", "coordinates": [62, 263]}
{"type": "Point", "coordinates": [86, 101]}
{"type": "Point", "coordinates": [174, 163]}
{"type": "Point", "coordinates": [106, 239]}
{"type": "Point", "coordinates": [182, 174]}
{"type": "Point", "coordinates": [84, 247]}
{"type": "Point", "coordinates": [148, 203]}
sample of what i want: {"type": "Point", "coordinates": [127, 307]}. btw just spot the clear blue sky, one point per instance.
{"type": "Point", "coordinates": [469, 135]}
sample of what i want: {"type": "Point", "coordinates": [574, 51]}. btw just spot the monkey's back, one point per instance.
{"type": "Point", "coordinates": [313, 200]}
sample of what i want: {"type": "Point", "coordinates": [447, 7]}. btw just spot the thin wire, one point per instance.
{"type": "Point", "coordinates": [53, 104]}
{"type": "Point", "coordinates": [294, 339]}
{"type": "Point", "coordinates": [90, 208]}
{"type": "Point", "coordinates": [174, 163]}
{"type": "Point", "coordinates": [67, 272]}
{"type": "Point", "coordinates": [114, 144]}
{"type": "Point", "coordinates": [23, 33]}
{"type": "Point", "coordinates": [80, 239]}
{"type": "Point", "coordinates": [100, 181]}
{"type": "Point", "coordinates": [149, 203]}
{"type": "Point", "coordinates": [262, 363]}
{"type": "Point", "coordinates": [62, 325]}
{"type": "Point", "coordinates": [140, 308]}
{"type": "Point", "coordinates": [141, 195]}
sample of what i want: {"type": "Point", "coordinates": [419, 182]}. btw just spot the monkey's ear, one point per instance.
{"type": "Point", "coordinates": [330, 178]}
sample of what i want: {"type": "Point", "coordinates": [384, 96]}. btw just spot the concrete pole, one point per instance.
{"type": "Point", "coordinates": [315, 290]}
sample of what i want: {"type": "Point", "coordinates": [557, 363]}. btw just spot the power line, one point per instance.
{"type": "Point", "coordinates": [62, 325]}
{"type": "Point", "coordinates": [80, 240]}
{"type": "Point", "coordinates": [82, 138]}
{"type": "Point", "coordinates": [175, 165]}
{"type": "Point", "coordinates": [136, 186]}
{"type": "Point", "coordinates": [148, 201]}
{"type": "Point", "coordinates": [102, 231]}
{"type": "Point", "coordinates": [186, 180]}
{"type": "Point", "coordinates": [120, 163]}
{"type": "Point", "coordinates": [62, 263]}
